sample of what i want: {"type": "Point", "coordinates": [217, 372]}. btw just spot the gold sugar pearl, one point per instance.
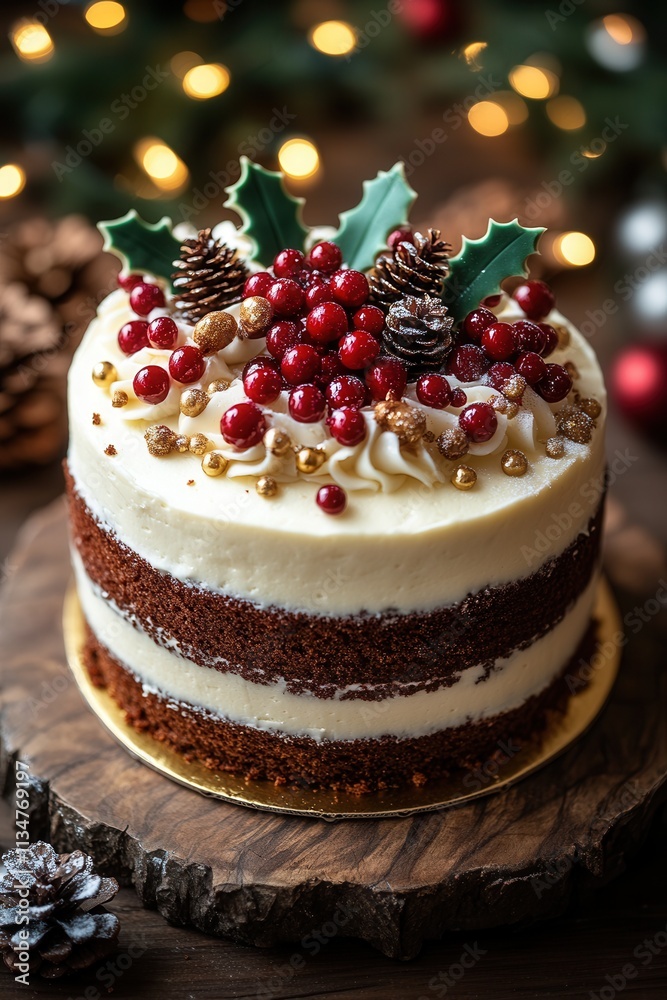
{"type": "Point", "coordinates": [266, 486]}
{"type": "Point", "coordinates": [104, 373]}
{"type": "Point", "coordinates": [255, 314]}
{"type": "Point", "coordinates": [575, 425]}
{"type": "Point", "coordinates": [309, 460]}
{"type": "Point", "coordinates": [514, 387]}
{"type": "Point", "coordinates": [198, 444]}
{"type": "Point", "coordinates": [182, 443]}
{"type": "Point", "coordinates": [119, 398]}
{"type": "Point", "coordinates": [214, 464]}
{"type": "Point", "coordinates": [464, 478]}
{"type": "Point", "coordinates": [218, 385]}
{"type": "Point", "coordinates": [453, 444]}
{"type": "Point", "coordinates": [499, 403]}
{"type": "Point", "coordinates": [590, 406]}
{"type": "Point", "coordinates": [555, 447]}
{"type": "Point", "coordinates": [215, 331]}
{"type": "Point", "coordinates": [514, 463]}
{"type": "Point", "coordinates": [277, 442]}
{"type": "Point", "coordinates": [512, 409]}
{"type": "Point", "coordinates": [193, 402]}
{"type": "Point", "coordinates": [407, 422]}
{"type": "Point", "coordinates": [160, 440]}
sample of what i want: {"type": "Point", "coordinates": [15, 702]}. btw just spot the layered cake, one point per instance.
{"type": "Point", "coordinates": [335, 497]}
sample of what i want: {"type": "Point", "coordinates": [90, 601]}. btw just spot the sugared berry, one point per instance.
{"type": "Point", "coordinates": [151, 384]}
{"type": "Point", "coordinates": [288, 263]}
{"type": "Point", "coordinates": [263, 384]}
{"type": "Point", "coordinates": [467, 362]}
{"type": "Point", "coordinates": [144, 298]}
{"type": "Point", "coordinates": [347, 426]}
{"type": "Point", "coordinates": [286, 297]}
{"type": "Point", "coordinates": [325, 257]}
{"type": "Point", "coordinates": [281, 336]}
{"type": "Point", "coordinates": [347, 390]}
{"type": "Point", "coordinates": [350, 288]}
{"type": "Point", "coordinates": [317, 293]}
{"type": "Point", "coordinates": [257, 284]}
{"type": "Point", "coordinates": [327, 321]}
{"type": "Point", "coordinates": [369, 318]}
{"type": "Point", "coordinates": [306, 404]}
{"type": "Point", "coordinates": [358, 349]}
{"type": "Point", "coordinates": [459, 398]}
{"type": "Point", "coordinates": [555, 385]}
{"type": "Point", "coordinates": [133, 336]}
{"type": "Point", "coordinates": [531, 366]}
{"type": "Point", "coordinates": [552, 339]}
{"type": "Point", "coordinates": [498, 341]}
{"type": "Point", "coordinates": [535, 298]}
{"type": "Point", "coordinates": [332, 368]}
{"type": "Point", "coordinates": [331, 499]}
{"type": "Point", "coordinates": [187, 364]}
{"type": "Point", "coordinates": [434, 391]}
{"type": "Point", "coordinates": [499, 373]}
{"type": "Point", "coordinates": [300, 363]}
{"type": "Point", "coordinates": [387, 379]}
{"type": "Point", "coordinates": [479, 421]}
{"type": "Point", "coordinates": [243, 425]}
{"type": "Point", "coordinates": [128, 281]}
{"type": "Point", "coordinates": [162, 333]}
{"type": "Point", "coordinates": [401, 235]}
{"type": "Point", "coordinates": [529, 337]}
{"type": "Point", "coordinates": [476, 323]}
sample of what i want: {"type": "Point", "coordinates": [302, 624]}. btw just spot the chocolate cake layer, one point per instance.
{"type": "Point", "coordinates": [324, 654]}
{"type": "Point", "coordinates": [357, 766]}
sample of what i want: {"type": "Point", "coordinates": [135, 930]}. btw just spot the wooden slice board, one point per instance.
{"type": "Point", "coordinates": [264, 878]}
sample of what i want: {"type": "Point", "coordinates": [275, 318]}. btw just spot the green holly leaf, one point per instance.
{"type": "Point", "coordinates": [271, 216]}
{"type": "Point", "coordinates": [363, 230]}
{"type": "Point", "coordinates": [481, 265]}
{"type": "Point", "coordinates": [144, 247]}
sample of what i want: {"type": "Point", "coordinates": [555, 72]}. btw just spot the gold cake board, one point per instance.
{"type": "Point", "coordinates": [564, 728]}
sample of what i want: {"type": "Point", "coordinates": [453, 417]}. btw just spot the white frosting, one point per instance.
{"type": "Point", "coordinates": [511, 682]}
{"type": "Point", "coordinates": [408, 540]}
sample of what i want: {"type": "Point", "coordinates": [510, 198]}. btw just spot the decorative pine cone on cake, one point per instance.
{"type": "Point", "coordinates": [209, 276]}
{"type": "Point", "coordinates": [68, 928]}
{"type": "Point", "coordinates": [418, 333]}
{"type": "Point", "coordinates": [416, 269]}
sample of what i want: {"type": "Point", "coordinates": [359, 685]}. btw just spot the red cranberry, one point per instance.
{"type": "Point", "coordinates": [498, 341]}
{"type": "Point", "coordinates": [491, 301]}
{"type": "Point", "coordinates": [318, 293]}
{"type": "Point", "coordinates": [387, 378]}
{"type": "Point", "coordinates": [300, 363]}
{"type": "Point", "coordinates": [325, 257]}
{"type": "Point", "coordinates": [552, 339]}
{"type": "Point", "coordinates": [260, 362]}
{"type": "Point", "coordinates": [263, 384]}
{"type": "Point", "coordinates": [350, 288]}
{"type": "Point", "coordinates": [476, 323]}
{"type": "Point", "coordinates": [327, 321]}
{"type": "Point", "coordinates": [467, 362]}
{"type": "Point", "coordinates": [331, 499]}
{"type": "Point", "coordinates": [347, 390]}
{"type": "Point", "coordinates": [369, 318]}
{"type": "Point", "coordinates": [151, 384]}
{"type": "Point", "coordinates": [555, 385]}
{"type": "Point", "coordinates": [402, 235]}
{"type": "Point", "coordinates": [499, 373]}
{"type": "Point", "coordinates": [332, 368]}
{"type": "Point", "coordinates": [257, 284]}
{"type": "Point", "coordinates": [288, 263]}
{"type": "Point", "coordinates": [286, 297]}
{"type": "Point", "coordinates": [281, 336]}
{"type": "Point", "coordinates": [187, 364]}
{"type": "Point", "coordinates": [306, 404]}
{"type": "Point", "coordinates": [144, 298]}
{"type": "Point", "coordinates": [459, 398]}
{"type": "Point", "coordinates": [529, 337]}
{"type": "Point", "coordinates": [434, 390]}
{"type": "Point", "coordinates": [358, 349]}
{"type": "Point", "coordinates": [479, 421]}
{"type": "Point", "coordinates": [133, 336]}
{"type": "Point", "coordinates": [162, 333]}
{"type": "Point", "coordinates": [243, 425]}
{"type": "Point", "coordinates": [128, 281]}
{"type": "Point", "coordinates": [531, 366]}
{"type": "Point", "coordinates": [535, 298]}
{"type": "Point", "coordinates": [347, 426]}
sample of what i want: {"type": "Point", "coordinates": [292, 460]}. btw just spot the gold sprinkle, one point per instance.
{"type": "Point", "coordinates": [453, 444]}
{"type": "Point", "coordinates": [193, 402]}
{"type": "Point", "coordinates": [499, 403]}
{"type": "Point", "coordinates": [198, 444]}
{"type": "Point", "coordinates": [309, 460]}
{"type": "Point", "coordinates": [464, 478]}
{"type": "Point", "coordinates": [214, 464]}
{"type": "Point", "coordinates": [266, 486]}
{"type": "Point", "coordinates": [429, 437]}
{"type": "Point", "coordinates": [119, 398]}
{"type": "Point", "coordinates": [512, 409]}
{"type": "Point", "coordinates": [218, 385]}
{"type": "Point", "coordinates": [215, 331]}
{"type": "Point", "coordinates": [514, 387]}
{"type": "Point", "coordinates": [514, 463]}
{"type": "Point", "coordinates": [104, 373]}
{"type": "Point", "coordinates": [160, 440]}
{"type": "Point", "coordinates": [405, 421]}
{"type": "Point", "coordinates": [182, 443]}
{"type": "Point", "coordinates": [277, 442]}
{"type": "Point", "coordinates": [574, 424]}
{"type": "Point", "coordinates": [190, 482]}
{"type": "Point", "coordinates": [555, 447]}
{"type": "Point", "coordinates": [590, 406]}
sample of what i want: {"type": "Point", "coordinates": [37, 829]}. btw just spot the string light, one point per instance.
{"type": "Point", "coordinates": [514, 106]}
{"type": "Point", "coordinates": [471, 54]}
{"type": "Point", "coordinates": [333, 38]}
{"type": "Point", "coordinates": [574, 249]}
{"type": "Point", "coordinates": [566, 113]}
{"type": "Point", "coordinates": [163, 166]}
{"type": "Point", "coordinates": [592, 154]}
{"type": "Point", "coordinates": [31, 41]}
{"type": "Point", "coordinates": [12, 180]}
{"type": "Point", "coordinates": [488, 118]}
{"type": "Point", "coordinates": [534, 82]}
{"type": "Point", "coordinates": [106, 17]}
{"type": "Point", "coordinates": [298, 158]}
{"type": "Point", "coordinates": [207, 80]}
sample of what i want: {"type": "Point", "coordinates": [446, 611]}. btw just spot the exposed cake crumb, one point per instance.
{"type": "Point", "coordinates": [110, 450]}
{"type": "Point", "coordinates": [97, 420]}
{"type": "Point", "coordinates": [190, 482]}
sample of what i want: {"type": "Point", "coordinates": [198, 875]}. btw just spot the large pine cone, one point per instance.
{"type": "Point", "coordinates": [417, 269]}
{"type": "Point", "coordinates": [209, 276]}
{"type": "Point", "coordinates": [67, 927]}
{"type": "Point", "coordinates": [419, 334]}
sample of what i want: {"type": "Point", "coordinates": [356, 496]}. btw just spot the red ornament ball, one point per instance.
{"type": "Point", "coordinates": [306, 404]}
{"type": "Point", "coordinates": [347, 426]}
{"type": "Point", "coordinates": [243, 425]}
{"type": "Point", "coordinates": [133, 335]}
{"type": "Point", "coordinates": [162, 333]}
{"type": "Point", "coordinates": [331, 499]}
{"type": "Point", "coordinates": [144, 298]}
{"type": "Point", "coordinates": [151, 384]}
{"type": "Point", "coordinates": [535, 298]}
{"type": "Point", "coordinates": [637, 383]}
{"type": "Point", "coordinates": [350, 288]}
{"type": "Point", "coordinates": [479, 421]}
{"type": "Point", "coordinates": [434, 391]}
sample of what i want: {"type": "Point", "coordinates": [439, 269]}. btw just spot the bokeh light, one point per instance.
{"type": "Point", "coordinates": [180, 63]}
{"type": "Point", "coordinates": [472, 53]}
{"type": "Point", "coordinates": [574, 249]}
{"type": "Point", "coordinates": [12, 180]}
{"type": "Point", "coordinates": [299, 158]}
{"type": "Point", "coordinates": [206, 80]}
{"type": "Point", "coordinates": [333, 38]}
{"type": "Point", "coordinates": [566, 112]}
{"type": "Point", "coordinates": [514, 106]}
{"type": "Point", "coordinates": [534, 82]}
{"type": "Point", "coordinates": [164, 167]}
{"type": "Point", "coordinates": [488, 118]}
{"type": "Point", "coordinates": [106, 17]}
{"type": "Point", "coordinates": [31, 41]}
{"type": "Point", "coordinates": [617, 42]}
